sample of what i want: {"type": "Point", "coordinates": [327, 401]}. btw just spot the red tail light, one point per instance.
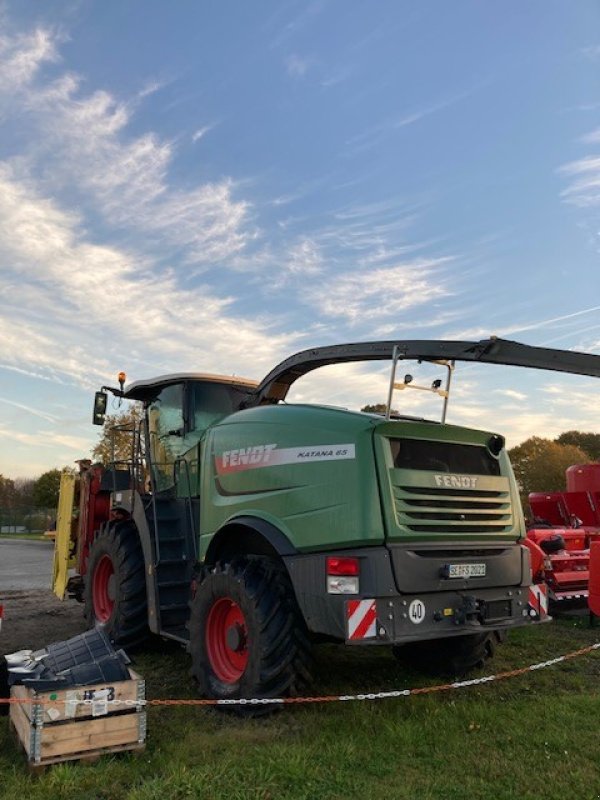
{"type": "Point", "coordinates": [343, 566]}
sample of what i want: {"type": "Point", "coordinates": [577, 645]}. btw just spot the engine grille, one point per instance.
{"type": "Point", "coordinates": [426, 509]}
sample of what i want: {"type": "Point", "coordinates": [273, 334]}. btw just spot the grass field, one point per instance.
{"type": "Point", "coordinates": [533, 737]}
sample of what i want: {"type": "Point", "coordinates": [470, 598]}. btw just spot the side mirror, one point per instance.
{"type": "Point", "coordinates": [100, 403]}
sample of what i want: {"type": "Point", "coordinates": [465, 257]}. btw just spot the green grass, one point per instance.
{"type": "Point", "coordinates": [534, 736]}
{"type": "Point", "coordinates": [37, 537]}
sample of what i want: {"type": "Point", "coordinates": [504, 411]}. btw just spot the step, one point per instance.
{"type": "Point", "coordinates": [169, 561]}
{"type": "Point", "coordinates": [177, 632]}
{"type": "Point", "coordinates": [174, 607]}
{"type": "Point", "coordinates": [173, 584]}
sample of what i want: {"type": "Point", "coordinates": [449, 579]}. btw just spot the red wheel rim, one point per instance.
{"type": "Point", "coordinates": [227, 640]}
{"type": "Point", "coordinates": [103, 589]}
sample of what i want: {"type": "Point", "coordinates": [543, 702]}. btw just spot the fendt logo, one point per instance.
{"type": "Point", "coordinates": [259, 454]}
{"type": "Point", "coordinates": [456, 481]}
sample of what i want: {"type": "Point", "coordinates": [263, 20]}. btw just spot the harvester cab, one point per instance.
{"type": "Point", "coordinates": [244, 526]}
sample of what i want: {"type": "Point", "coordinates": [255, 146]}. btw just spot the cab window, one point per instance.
{"type": "Point", "coordinates": [211, 402]}
{"type": "Point", "coordinates": [166, 422]}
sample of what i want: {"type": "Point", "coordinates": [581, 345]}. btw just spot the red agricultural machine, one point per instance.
{"type": "Point", "coordinates": [564, 526]}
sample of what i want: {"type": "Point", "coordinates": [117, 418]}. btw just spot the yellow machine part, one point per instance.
{"type": "Point", "coordinates": [62, 544]}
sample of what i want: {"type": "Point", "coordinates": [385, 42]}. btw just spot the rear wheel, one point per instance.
{"type": "Point", "coordinates": [452, 656]}
{"type": "Point", "coordinates": [247, 636]}
{"type": "Point", "coordinates": [115, 585]}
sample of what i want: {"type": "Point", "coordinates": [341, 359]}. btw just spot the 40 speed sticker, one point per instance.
{"type": "Point", "coordinates": [416, 611]}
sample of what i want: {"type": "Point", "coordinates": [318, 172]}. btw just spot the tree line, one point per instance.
{"type": "Point", "coordinates": [28, 503]}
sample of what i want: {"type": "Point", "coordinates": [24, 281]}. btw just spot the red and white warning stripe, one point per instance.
{"type": "Point", "coordinates": [361, 616]}
{"type": "Point", "coordinates": [538, 599]}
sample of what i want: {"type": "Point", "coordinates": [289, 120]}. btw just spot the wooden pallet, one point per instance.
{"type": "Point", "coordinates": [60, 726]}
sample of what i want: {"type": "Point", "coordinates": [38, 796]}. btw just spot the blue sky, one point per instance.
{"type": "Point", "coordinates": [213, 186]}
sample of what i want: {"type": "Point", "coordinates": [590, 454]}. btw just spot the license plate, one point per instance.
{"type": "Point", "coordinates": [466, 570]}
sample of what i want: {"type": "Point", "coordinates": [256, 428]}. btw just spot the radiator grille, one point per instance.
{"type": "Point", "coordinates": [436, 510]}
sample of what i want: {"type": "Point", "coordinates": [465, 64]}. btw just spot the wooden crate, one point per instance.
{"type": "Point", "coordinates": [61, 726]}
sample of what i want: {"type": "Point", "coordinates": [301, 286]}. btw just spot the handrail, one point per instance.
{"type": "Point", "coordinates": [188, 500]}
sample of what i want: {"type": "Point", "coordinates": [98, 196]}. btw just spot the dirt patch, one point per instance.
{"type": "Point", "coordinates": [34, 618]}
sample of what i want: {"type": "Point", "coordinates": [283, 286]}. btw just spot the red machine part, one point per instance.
{"type": "Point", "coordinates": [94, 509]}
{"type": "Point", "coordinates": [574, 517]}
{"type": "Point", "coordinates": [537, 556]}
{"type": "Point", "coordinates": [579, 505]}
{"type": "Point", "coordinates": [566, 570]}
{"type": "Point", "coordinates": [594, 583]}
{"type": "Point", "coordinates": [583, 478]}
{"type": "Point", "coordinates": [549, 507]}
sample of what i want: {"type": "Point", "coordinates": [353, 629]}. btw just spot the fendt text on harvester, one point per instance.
{"type": "Point", "coordinates": [246, 528]}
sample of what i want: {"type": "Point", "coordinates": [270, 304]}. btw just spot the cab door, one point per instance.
{"type": "Point", "coordinates": [166, 428]}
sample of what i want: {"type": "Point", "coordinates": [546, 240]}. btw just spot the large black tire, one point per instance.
{"type": "Point", "coordinates": [115, 585]}
{"type": "Point", "coordinates": [247, 636]}
{"type": "Point", "coordinates": [453, 656]}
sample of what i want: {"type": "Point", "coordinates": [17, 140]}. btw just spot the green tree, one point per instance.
{"type": "Point", "coordinates": [588, 442]}
{"type": "Point", "coordinates": [24, 492]}
{"type": "Point", "coordinates": [7, 492]}
{"type": "Point", "coordinates": [7, 502]}
{"type": "Point", "coordinates": [117, 435]}
{"type": "Point", "coordinates": [539, 465]}
{"type": "Point", "coordinates": [378, 408]}
{"type": "Point", "coordinates": [46, 489]}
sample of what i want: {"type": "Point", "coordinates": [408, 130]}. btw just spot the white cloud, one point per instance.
{"type": "Point", "coordinates": [555, 410]}
{"type": "Point", "coordinates": [592, 52]}
{"type": "Point", "coordinates": [83, 143]}
{"type": "Point", "coordinates": [512, 394]}
{"type": "Point", "coordinates": [151, 88]}
{"type": "Point", "coordinates": [28, 409]}
{"type": "Point", "coordinates": [201, 132]}
{"type": "Point", "coordinates": [376, 134]}
{"type": "Point", "coordinates": [297, 66]}
{"type": "Point", "coordinates": [304, 260]}
{"type": "Point", "coordinates": [42, 438]}
{"type": "Point", "coordinates": [478, 333]}
{"type": "Point", "coordinates": [381, 293]}
{"type": "Point", "coordinates": [593, 137]}
{"type": "Point", "coordinates": [584, 187]}
{"type": "Point", "coordinates": [337, 76]}
{"type": "Point", "coordinates": [71, 309]}
{"type": "Point", "coordinates": [22, 56]}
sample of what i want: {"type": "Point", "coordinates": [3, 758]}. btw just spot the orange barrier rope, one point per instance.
{"type": "Point", "coordinates": [443, 687]}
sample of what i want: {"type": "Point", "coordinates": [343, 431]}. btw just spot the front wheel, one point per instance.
{"type": "Point", "coordinates": [247, 636]}
{"type": "Point", "coordinates": [451, 656]}
{"type": "Point", "coordinates": [115, 585]}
